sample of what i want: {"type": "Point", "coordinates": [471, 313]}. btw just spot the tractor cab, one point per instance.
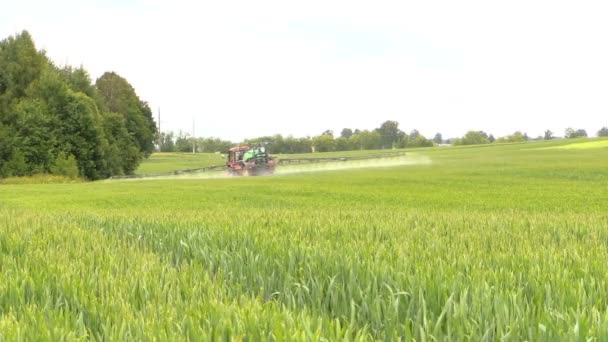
{"type": "Point", "coordinates": [236, 154]}
{"type": "Point", "coordinates": [243, 160]}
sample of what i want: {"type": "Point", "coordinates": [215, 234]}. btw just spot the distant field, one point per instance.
{"type": "Point", "coordinates": [480, 243]}
{"type": "Point", "coordinates": [336, 154]}
{"type": "Point", "coordinates": [163, 162]}
{"type": "Point", "coordinates": [585, 145]}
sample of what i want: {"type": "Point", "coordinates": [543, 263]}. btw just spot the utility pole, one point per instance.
{"type": "Point", "coordinates": [193, 139]}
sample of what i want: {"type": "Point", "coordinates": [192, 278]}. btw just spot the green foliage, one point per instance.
{"type": "Point", "coordinates": [167, 143]}
{"type": "Point", "coordinates": [324, 143]}
{"type": "Point", "coordinates": [20, 65]}
{"type": "Point", "coordinates": [346, 133]}
{"type": "Point", "coordinates": [6, 142]}
{"type": "Point", "coordinates": [65, 165]}
{"type": "Point", "coordinates": [32, 135]}
{"type": "Point", "coordinates": [603, 132]}
{"type": "Point", "coordinates": [473, 138]}
{"type": "Point", "coordinates": [390, 134]}
{"type": "Point", "coordinates": [515, 137]}
{"type": "Point", "coordinates": [78, 80]}
{"type": "Point", "coordinates": [183, 142]}
{"type": "Point", "coordinates": [548, 135]}
{"type": "Point", "coordinates": [118, 96]}
{"type": "Point", "coordinates": [279, 144]}
{"type": "Point", "coordinates": [572, 133]}
{"type": "Point", "coordinates": [15, 166]}
{"type": "Point", "coordinates": [366, 140]}
{"type": "Point", "coordinates": [413, 140]}
{"type": "Point", "coordinates": [45, 110]}
{"type": "Point", "coordinates": [122, 154]}
{"type": "Point", "coordinates": [343, 144]}
{"type": "Point", "coordinates": [419, 141]}
{"type": "Point", "coordinates": [438, 139]}
{"type": "Point", "coordinates": [349, 140]}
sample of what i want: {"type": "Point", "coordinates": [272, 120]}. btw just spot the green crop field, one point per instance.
{"type": "Point", "coordinates": [501, 242]}
{"type": "Point", "coordinates": [163, 162]}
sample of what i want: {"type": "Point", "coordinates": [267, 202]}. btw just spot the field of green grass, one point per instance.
{"type": "Point", "coordinates": [164, 162]}
{"type": "Point", "coordinates": [502, 242]}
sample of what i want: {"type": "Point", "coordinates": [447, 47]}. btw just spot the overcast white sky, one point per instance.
{"type": "Point", "coordinates": [252, 68]}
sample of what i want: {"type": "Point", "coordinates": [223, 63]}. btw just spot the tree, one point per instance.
{"type": "Point", "coordinates": [366, 140]}
{"type": "Point", "coordinates": [515, 137]}
{"type": "Point", "coordinates": [420, 141]}
{"type": "Point", "coordinates": [603, 132]}
{"type": "Point", "coordinates": [389, 133]}
{"type": "Point", "coordinates": [491, 138]}
{"type": "Point", "coordinates": [324, 143]}
{"type": "Point", "coordinates": [438, 139]}
{"type": "Point", "coordinates": [65, 165]}
{"type": "Point", "coordinates": [343, 144]}
{"type": "Point", "coordinates": [328, 132]}
{"type": "Point", "coordinates": [166, 142]}
{"type": "Point", "coordinates": [548, 135]}
{"type": "Point", "coordinates": [15, 166]}
{"type": "Point", "coordinates": [473, 138]}
{"type": "Point", "coordinates": [304, 145]}
{"type": "Point", "coordinates": [346, 133]}
{"type": "Point", "coordinates": [81, 134]}
{"type": "Point", "coordinates": [122, 154]}
{"type": "Point", "coordinates": [78, 80]}
{"type": "Point", "coordinates": [571, 133]}
{"type": "Point", "coordinates": [48, 113]}
{"type": "Point", "coordinates": [20, 65]}
{"type": "Point", "coordinates": [6, 144]}
{"type": "Point", "coordinates": [33, 135]}
{"type": "Point", "coordinates": [183, 142]}
{"type": "Point", "coordinates": [118, 96]}
{"type": "Point", "coordinates": [415, 140]}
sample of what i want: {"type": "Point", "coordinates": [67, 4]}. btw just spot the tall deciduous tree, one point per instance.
{"type": "Point", "coordinates": [118, 96]}
{"type": "Point", "coordinates": [20, 65]}
{"type": "Point", "coordinates": [390, 133]}
{"type": "Point", "coordinates": [572, 133]}
{"type": "Point", "coordinates": [47, 112]}
{"type": "Point", "coordinates": [324, 143]}
{"type": "Point", "coordinates": [346, 133]}
{"type": "Point", "coordinates": [438, 139]}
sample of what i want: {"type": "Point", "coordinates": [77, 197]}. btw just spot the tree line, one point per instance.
{"type": "Point", "coordinates": [387, 136]}
{"type": "Point", "coordinates": [481, 137]}
{"type": "Point", "coordinates": [55, 120]}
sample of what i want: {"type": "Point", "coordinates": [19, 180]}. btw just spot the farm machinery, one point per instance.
{"type": "Point", "coordinates": [246, 161]}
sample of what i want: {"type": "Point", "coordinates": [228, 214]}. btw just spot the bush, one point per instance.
{"type": "Point", "coordinates": [65, 165]}
{"type": "Point", "coordinates": [14, 167]}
